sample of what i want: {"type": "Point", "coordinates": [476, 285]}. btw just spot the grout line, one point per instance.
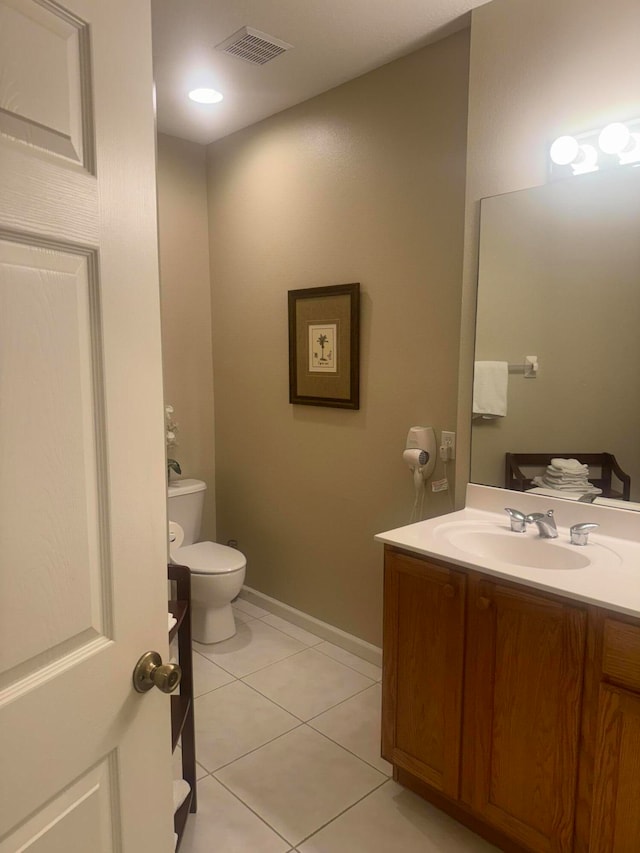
{"type": "Point", "coordinates": [346, 699]}
{"type": "Point", "coordinates": [206, 692]}
{"type": "Point", "coordinates": [344, 811]}
{"type": "Point", "coordinates": [282, 619]}
{"type": "Point", "coordinates": [342, 701]}
{"type": "Point", "coordinates": [315, 646]}
{"type": "Point", "coordinates": [253, 811]}
{"type": "Point", "coordinates": [346, 749]}
{"type": "Point", "coordinates": [272, 663]}
{"type": "Point", "coordinates": [213, 689]}
{"type": "Point", "coordinates": [273, 702]}
{"type": "Point", "coordinates": [335, 817]}
{"type": "Point", "coordinates": [289, 637]}
{"type": "Point", "coordinates": [256, 748]}
{"type": "Point", "coordinates": [346, 664]}
{"type": "Point", "coordinates": [215, 662]}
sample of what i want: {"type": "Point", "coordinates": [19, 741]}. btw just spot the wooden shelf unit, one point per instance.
{"type": "Point", "coordinates": [182, 722]}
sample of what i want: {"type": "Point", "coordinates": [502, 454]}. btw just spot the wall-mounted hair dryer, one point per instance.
{"type": "Point", "coordinates": [421, 441]}
{"type": "Point", "coordinates": [420, 456]}
{"type": "Point", "coordinates": [417, 461]}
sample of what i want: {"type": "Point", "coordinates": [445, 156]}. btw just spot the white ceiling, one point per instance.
{"type": "Point", "coordinates": [333, 41]}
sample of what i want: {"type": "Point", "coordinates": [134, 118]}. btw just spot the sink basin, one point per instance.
{"type": "Point", "coordinates": [493, 543]}
{"type": "Point", "coordinates": [520, 549]}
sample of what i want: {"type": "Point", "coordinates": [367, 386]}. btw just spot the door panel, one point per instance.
{"type": "Point", "coordinates": [615, 826]}
{"type": "Point", "coordinates": [52, 523]}
{"type": "Point", "coordinates": [82, 816]}
{"type": "Point", "coordinates": [522, 713]}
{"type": "Point", "coordinates": [86, 760]}
{"type": "Point", "coordinates": [52, 110]}
{"type": "Point", "coordinates": [423, 660]}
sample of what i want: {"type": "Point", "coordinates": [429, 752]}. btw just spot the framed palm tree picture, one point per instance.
{"type": "Point", "coordinates": [324, 346]}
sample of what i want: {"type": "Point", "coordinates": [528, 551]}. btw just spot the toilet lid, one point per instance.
{"type": "Point", "coordinates": [209, 558]}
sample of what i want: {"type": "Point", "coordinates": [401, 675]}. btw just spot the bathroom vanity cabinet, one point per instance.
{"type": "Point", "coordinates": [182, 719]}
{"type": "Point", "coordinates": [516, 711]}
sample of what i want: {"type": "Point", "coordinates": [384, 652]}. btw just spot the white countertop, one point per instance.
{"type": "Point", "coordinates": [611, 580]}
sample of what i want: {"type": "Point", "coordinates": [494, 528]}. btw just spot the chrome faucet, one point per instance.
{"type": "Point", "coordinates": [517, 519]}
{"type": "Point", "coordinates": [545, 523]}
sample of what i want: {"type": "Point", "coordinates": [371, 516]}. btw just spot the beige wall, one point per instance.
{"type": "Point", "coordinates": [186, 308]}
{"type": "Point", "coordinates": [538, 69]}
{"type": "Point", "coordinates": [363, 183]}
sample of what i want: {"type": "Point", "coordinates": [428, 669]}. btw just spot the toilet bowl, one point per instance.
{"type": "Point", "coordinates": [217, 575]}
{"type": "Point", "coordinates": [217, 571]}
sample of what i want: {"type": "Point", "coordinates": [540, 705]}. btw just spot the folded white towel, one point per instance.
{"type": "Point", "coordinates": [490, 380]}
{"type": "Point", "coordinates": [585, 488]}
{"type": "Point", "coordinates": [569, 466]}
{"type": "Point", "coordinates": [557, 477]}
{"type": "Point", "coordinates": [181, 790]}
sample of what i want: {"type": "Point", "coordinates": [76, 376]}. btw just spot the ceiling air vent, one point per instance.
{"type": "Point", "coordinates": [253, 46]}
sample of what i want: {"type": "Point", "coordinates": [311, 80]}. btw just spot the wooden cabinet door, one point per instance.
{"type": "Point", "coordinates": [423, 669]}
{"type": "Point", "coordinates": [525, 659]}
{"type": "Point", "coordinates": [615, 819]}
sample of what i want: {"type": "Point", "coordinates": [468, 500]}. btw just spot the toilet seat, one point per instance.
{"type": "Point", "coordinates": [210, 558]}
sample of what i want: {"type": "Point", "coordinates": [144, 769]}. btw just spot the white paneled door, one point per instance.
{"type": "Point", "coordinates": [84, 759]}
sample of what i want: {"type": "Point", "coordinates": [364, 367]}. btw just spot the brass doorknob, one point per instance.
{"type": "Point", "coordinates": [151, 672]}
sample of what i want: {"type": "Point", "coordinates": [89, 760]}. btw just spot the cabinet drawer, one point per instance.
{"type": "Point", "coordinates": [621, 653]}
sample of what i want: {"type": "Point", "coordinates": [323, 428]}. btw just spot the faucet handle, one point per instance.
{"type": "Point", "coordinates": [517, 519]}
{"type": "Point", "coordinates": [580, 532]}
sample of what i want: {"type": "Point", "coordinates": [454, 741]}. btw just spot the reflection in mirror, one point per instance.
{"type": "Point", "coordinates": [559, 277]}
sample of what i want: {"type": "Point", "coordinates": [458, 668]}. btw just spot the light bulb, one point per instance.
{"type": "Point", "coordinates": [631, 153]}
{"type": "Point", "coordinates": [586, 161]}
{"type": "Point", "coordinates": [205, 96]}
{"type": "Point", "coordinates": [564, 150]}
{"type": "Point", "coordinates": [614, 138]}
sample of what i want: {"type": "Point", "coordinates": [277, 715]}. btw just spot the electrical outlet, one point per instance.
{"type": "Point", "coordinates": [449, 441]}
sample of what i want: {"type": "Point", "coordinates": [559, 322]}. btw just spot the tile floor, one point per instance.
{"type": "Point", "coordinates": [287, 741]}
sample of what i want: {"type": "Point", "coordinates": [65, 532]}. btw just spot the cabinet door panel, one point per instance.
{"type": "Point", "coordinates": [423, 660]}
{"type": "Point", "coordinates": [522, 713]}
{"type": "Point", "coordinates": [615, 826]}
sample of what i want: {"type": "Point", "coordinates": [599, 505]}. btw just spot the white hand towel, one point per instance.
{"type": "Point", "coordinates": [490, 380]}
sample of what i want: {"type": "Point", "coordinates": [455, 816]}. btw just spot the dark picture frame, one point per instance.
{"type": "Point", "coordinates": [324, 346]}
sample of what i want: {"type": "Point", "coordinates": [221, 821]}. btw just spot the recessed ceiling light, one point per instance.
{"type": "Point", "coordinates": [205, 96]}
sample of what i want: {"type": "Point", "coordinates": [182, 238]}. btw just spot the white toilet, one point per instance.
{"type": "Point", "coordinates": [217, 571]}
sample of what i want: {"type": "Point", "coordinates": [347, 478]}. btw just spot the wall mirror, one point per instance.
{"type": "Point", "coordinates": [559, 277]}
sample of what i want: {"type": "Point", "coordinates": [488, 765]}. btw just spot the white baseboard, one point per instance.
{"type": "Point", "coordinates": [330, 633]}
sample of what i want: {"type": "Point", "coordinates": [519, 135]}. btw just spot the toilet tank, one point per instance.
{"type": "Point", "coordinates": [186, 499]}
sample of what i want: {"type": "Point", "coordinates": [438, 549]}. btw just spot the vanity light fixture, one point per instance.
{"type": "Point", "coordinates": [617, 144]}
{"type": "Point", "coordinates": [205, 96]}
